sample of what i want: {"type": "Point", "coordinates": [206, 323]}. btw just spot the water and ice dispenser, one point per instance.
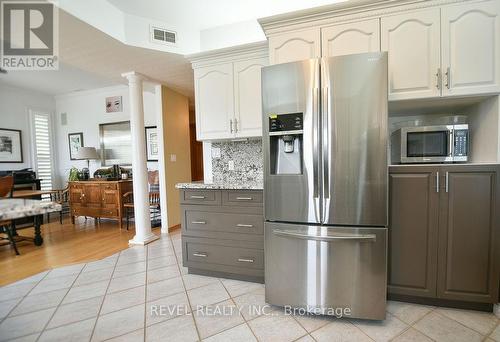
{"type": "Point", "coordinates": [286, 139]}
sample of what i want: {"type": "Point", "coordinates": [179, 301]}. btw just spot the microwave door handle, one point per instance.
{"type": "Point", "coordinates": [451, 143]}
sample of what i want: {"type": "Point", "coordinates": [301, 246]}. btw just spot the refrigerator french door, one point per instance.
{"type": "Point", "coordinates": [325, 184]}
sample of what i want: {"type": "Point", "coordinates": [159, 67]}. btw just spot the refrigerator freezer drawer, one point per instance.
{"type": "Point", "coordinates": [326, 269]}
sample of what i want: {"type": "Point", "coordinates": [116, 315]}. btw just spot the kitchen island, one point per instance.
{"type": "Point", "coordinates": [222, 226]}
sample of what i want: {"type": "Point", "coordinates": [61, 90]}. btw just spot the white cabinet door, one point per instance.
{"type": "Point", "coordinates": [471, 48]}
{"type": "Point", "coordinates": [295, 46]}
{"type": "Point", "coordinates": [413, 43]}
{"type": "Point", "coordinates": [248, 98]}
{"type": "Point", "coordinates": [350, 38]}
{"type": "Point", "coordinates": [214, 101]}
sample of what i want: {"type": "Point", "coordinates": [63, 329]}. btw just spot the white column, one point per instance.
{"type": "Point", "coordinates": [143, 234]}
{"type": "Point", "coordinates": [162, 168]}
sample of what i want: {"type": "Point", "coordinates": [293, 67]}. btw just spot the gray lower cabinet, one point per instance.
{"type": "Point", "coordinates": [468, 251]}
{"type": "Point", "coordinates": [444, 232]}
{"type": "Point", "coordinates": [413, 231]}
{"type": "Point", "coordinates": [223, 233]}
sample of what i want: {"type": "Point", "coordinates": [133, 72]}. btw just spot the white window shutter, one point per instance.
{"type": "Point", "coordinates": [42, 148]}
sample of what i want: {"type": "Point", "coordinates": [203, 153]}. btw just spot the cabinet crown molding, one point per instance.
{"type": "Point", "coordinates": [229, 54]}
{"type": "Point", "coordinates": [348, 11]}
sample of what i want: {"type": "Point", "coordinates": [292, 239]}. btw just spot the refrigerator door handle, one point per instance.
{"type": "Point", "coordinates": [326, 142]}
{"type": "Point", "coordinates": [315, 142]}
{"type": "Point", "coordinates": [316, 138]}
{"type": "Point", "coordinates": [327, 238]}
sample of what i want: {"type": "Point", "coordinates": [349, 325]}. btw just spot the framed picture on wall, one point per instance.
{"type": "Point", "coordinates": [114, 104]}
{"type": "Point", "coordinates": [115, 143]}
{"type": "Point", "coordinates": [152, 143]}
{"type": "Point", "coordinates": [75, 142]}
{"type": "Point", "coordinates": [11, 147]}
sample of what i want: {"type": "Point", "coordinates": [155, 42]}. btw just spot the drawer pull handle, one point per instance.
{"type": "Point", "coordinates": [244, 225]}
{"type": "Point", "coordinates": [244, 198]}
{"type": "Point", "coordinates": [202, 255]}
{"type": "Point", "coordinates": [245, 260]}
{"type": "Point", "coordinates": [197, 197]}
{"type": "Point", "coordinates": [198, 222]}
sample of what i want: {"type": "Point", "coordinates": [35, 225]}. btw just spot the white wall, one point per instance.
{"type": "Point", "coordinates": [85, 111]}
{"type": "Point", "coordinates": [131, 29]}
{"type": "Point", "coordinates": [230, 35]}
{"type": "Point", "coordinates": [100, 14]}
{"type": "Point", "coordinates": [138, 33]}
{"type": "Point", "coordinates": [14, 114]}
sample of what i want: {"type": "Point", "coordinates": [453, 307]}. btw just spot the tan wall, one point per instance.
{"type": "Point", "coordinates": [176, 140]}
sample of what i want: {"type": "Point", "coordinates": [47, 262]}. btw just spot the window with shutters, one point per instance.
{"type": "Point", "coordinates": [42, 148]}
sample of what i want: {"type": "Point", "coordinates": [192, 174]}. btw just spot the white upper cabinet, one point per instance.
{"type": "Point", "coordinates": [350, 38]}
{"type": "Point", "coordinates": [471, 48]}
{"type": "Point", "coordinates": [436, 48]}
{"type": "Point", "coordinates": [413, 44]}
{"type": "Point", "coordinates": [214, 101]}
{"type": "Point", "coordinates": [248, 98]}
{"type": "Point", "coordinates": [228, 91]}
{"type": "Point", "coordinates": [295, 46]}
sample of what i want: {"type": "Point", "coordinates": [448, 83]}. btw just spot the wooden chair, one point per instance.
{"type": "Point", "coordinates": [61, 197]}
{"type": "Point", "coordinates": [154, 205]}
{"type": "Point", "coordinates": [6, 185]}
{"type": "Point", "coordinates": [154, 180]}
{"type": "Point", "coordinates": [128, 205]}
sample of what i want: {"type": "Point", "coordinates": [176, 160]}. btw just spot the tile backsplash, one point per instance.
{"type": "Point", "coordinates": [247, 158]}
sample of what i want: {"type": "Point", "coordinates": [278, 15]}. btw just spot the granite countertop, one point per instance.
{"type": "Point", "coordinates": [225, 185]}
{"type": "Point", "coordinates": [14, 208]}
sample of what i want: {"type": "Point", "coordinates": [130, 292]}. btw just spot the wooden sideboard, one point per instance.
{"type": "Point", "coordinates": [98, 199]}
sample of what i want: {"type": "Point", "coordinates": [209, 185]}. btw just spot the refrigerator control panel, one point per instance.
{"type": "Point", "coordinates": [285, 122]}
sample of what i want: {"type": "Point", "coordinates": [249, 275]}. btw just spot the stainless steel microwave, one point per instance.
{"type": "Point", "coordinates": [430, 144]}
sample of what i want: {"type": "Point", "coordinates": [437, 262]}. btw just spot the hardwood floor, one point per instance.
{"type": "Point", "coordinates": [63, 245]}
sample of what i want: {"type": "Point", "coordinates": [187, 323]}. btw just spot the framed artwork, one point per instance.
{"type": "Point", "coordinates": [114, 104]}
{"type": "Point", "coordinates": [11, 146]}
{"type": "Point", "coordinates": [75, 142]}
{"type": "Point", "coordinates": [151, 143]}
{"type": "Point", "coordinates": [115, 143]}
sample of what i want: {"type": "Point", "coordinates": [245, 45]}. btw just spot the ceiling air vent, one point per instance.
{"type": "Point", "coordinates": [162, 36]}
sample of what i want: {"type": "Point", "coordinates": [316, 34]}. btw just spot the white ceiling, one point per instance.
{"type": "Point", "coordinates": [66, 79]}
{"type": "Point", "coordinates": [203, 14]}
{"type": "Point", "coordinates": [91, 59]}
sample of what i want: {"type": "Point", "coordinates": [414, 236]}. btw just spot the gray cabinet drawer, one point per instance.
{"type": "Point", "coordinates": [225, 255]}
{"type": "Point", "coordinates": [205, 197]}
{"type": "Point", "coordinates": [223, 222]}
{"type": "Point", "coordinates": [242, 198]}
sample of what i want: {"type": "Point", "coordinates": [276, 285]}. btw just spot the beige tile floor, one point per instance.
{"type": "Point", "coordinates": [131, 296]}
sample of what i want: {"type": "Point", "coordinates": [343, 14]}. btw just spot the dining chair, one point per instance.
{"type": "Point", "coordinates": [6, 185]}
{"type": "Point", "coordinates": [154, 205]}
{"type": "Point", "coordinates": [128, 205]}
{"type": "Point", "coordinates": [60, 197]}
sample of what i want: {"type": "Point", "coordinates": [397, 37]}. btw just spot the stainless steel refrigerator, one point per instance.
{"type": "Point", "coordinates": [325, 184]}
